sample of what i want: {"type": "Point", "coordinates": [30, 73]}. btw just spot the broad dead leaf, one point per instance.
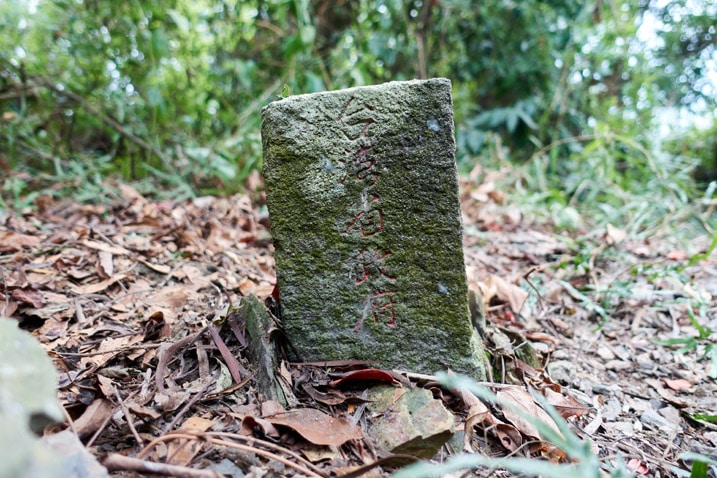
{"type": "Point", "coordinates": [28, 296]}
{"type": "Point", "coordinates": [566, 405]}
{"type": "Point", "coordinates": [365, 375]}
{"type": "Point", "coordinates": [110, 348]}
{"type": "Point", "coordinates": [677, 384]}
{"type": "Point", "coordinates": [181, 452]}
{"type": "Point", "coordinates": [523, 400]}
{"type": "Point", "coordinates": [332, 397]}
{"type": "Point", "coordinates": [509, 436]}
{"type": "Point", "coordinates": [106, 266]}
{"type": "Point", "coordinates": [100, 286]}
{"type": "Point", "coordinates": [251, 425]}
{"type": "Point", "coordinates": [677, 255]}
{"type": "Point", "coordinates": [317, 427]}
{"type": "Point", "coordinates": [12, 241]}
{"type": "Point", "coordinates": [505, 291]}
{"type": "Point", "coordinates": [93, 417]}
{"type": "Point", "coordinates": [101, 246]}
{"type": "Point", "coordinates": [477, 414]}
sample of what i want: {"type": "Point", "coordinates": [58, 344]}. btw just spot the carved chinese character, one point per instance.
{"type": "Point", "coordinates": [360, 166]}
{"type": "Point", "coordinates": [357, 123]}
{"type": "Point", "coordinates": [370, 264]}
{"type": "Point", "coordinates": [368, 223]}
{"type": "Point", "coordinates": [369, 220]}
{"type": "Point", "coordinates": [381, 307]}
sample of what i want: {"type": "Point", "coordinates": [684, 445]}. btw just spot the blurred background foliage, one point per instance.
{"type": "Point", "coordinates": [603, 107]}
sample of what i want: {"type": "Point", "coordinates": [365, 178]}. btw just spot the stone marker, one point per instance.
{"type": "Point", "coordinates": [363, 198]}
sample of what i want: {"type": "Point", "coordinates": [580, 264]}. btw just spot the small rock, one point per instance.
{"type": "Point", "coordinates": [611, 410]}
{"type": "Point", "coordinates": [618, 365]}
{"type": "Point", "coordinates": [624, 428]}
{"type": "Point", "coordinates": [651, 418]}
{"type": "Point", "coordinates": [637, 404]}
{"type": "Point", "coordinates": [586, 387]}
{"type": "Point", "coordinates": [408, 421]}
{"type": "Point", "coordinates": [562, 371]}
{"type": "Point", "coordinates": [79, 462]}
{"type": "Point", "coordinates": [622, 352]}
{"type": "Point", "coordinates": [671, 414]}
{"type": "Point", "coordinates": [605, 389]}
{"type": "Point", "coordinates": [605, 353]}
{"type": "Point", "coordinates": [594, 364]}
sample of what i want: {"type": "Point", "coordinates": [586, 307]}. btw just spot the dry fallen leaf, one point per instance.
{"type": "Point", "coordinates": [106, 266]}
{"type": "Point", "coordinates": [251, 425]}
{"type": "Point", "coordinates": [509, 436]}
{"type": "Point", "coordinates": [614, 235]}
{"type": "Point", "coordinates": [181, 452]}
{"type": "Point", "coordinates": [99, 286]}
{"type": "Point", "coordinates": [520, 397]}
{"type": "Point", "coordinates": [677, 384]}
{"type": "Point", "coordinates": [101, 246]}
{"type": "Point", "coordinates": [677, 255]}
{"type": "Point", "coordinates": [93, 417]}
{"type": "Point", "coordinates": [505, 291]}
{"type": "Point", "coordinates": [12, 241]}
{"type": "Point", "coordinates": [477, 414]}
{"type": "Point", "coordinates": [566, 405]}
{"type": "Point", "coordinates": [365, 375]}
{"type": "Point", "coordinates": [318, 427]}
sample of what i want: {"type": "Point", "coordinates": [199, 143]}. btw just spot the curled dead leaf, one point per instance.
{"type": "Point", "coordinates": [509, 436]}
{"type": "Point", "coordinates": [505, 291]}
{"type": "Point", "coordinates": [251, 425]}
{"type": "Point", "coordinates": [365, 375]}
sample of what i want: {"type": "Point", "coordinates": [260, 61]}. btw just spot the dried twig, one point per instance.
{"type": "Point", "coordinates": [117, 462]}
{"type": "Point", "coordinates": [305, 467]}
{"type": "Point", "coordinates": [197, 396]}
{"type": "Point", "coordinates": [127, 415]}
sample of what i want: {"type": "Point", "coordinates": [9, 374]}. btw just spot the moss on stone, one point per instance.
{"type": "Point", "coordinates": [363, 198]}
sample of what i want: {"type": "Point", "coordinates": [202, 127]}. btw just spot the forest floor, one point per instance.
{"type": "Point", "coordinates": [134, 303]}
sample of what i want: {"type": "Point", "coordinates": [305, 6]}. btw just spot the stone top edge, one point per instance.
{"type": "Point", "coordinates": [383, 86]}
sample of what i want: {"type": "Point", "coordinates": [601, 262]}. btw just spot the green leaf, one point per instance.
{"type": "Point", "coordinates": [512, 119]}
{"type": "Point", "coordinates": [179, 20]}
{"type": "Point", "coordinates": [704, 417]}
{"type": "Point", "coordinates": [159, 44]}
{"type": "Point", "coordinates": [703, 332]}
{"type": "Point", "coordinates": [699, 470]}
{"type": "Point", "coordinates": [686, 341]}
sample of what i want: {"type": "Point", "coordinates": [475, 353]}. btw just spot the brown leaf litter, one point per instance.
{"type": "Point", "coordinates": [134, 302]}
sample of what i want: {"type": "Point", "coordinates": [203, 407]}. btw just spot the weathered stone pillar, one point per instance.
{"type": "Point", "coordinates": [363, 198]}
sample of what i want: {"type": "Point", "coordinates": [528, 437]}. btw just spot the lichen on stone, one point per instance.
{"type": "Point", "coordinates": [363, 198]}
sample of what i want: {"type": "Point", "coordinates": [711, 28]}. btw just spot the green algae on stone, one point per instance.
{"type": "Point", "coordinates": [363, 198]}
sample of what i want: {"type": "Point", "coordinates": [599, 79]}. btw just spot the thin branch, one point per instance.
{"type": "Point", "coordinates": [117, 462]}
{"type": "Point", "coordinates": [127, 415]}
{"type": "Point", "coordinates": [214, 441]}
